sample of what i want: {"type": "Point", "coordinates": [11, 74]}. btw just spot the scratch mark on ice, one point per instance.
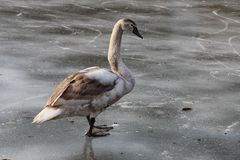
{"type": "Point", "coordinates": [231, 45]}
{"type": "Point", "coordinates": [215, 12]}
{"type": "Point", "coordinates": [230, 127]}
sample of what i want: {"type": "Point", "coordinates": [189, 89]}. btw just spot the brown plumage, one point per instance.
{"type": "Point", "coordinates": [77, 86]}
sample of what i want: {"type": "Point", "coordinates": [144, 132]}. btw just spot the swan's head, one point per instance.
{"type": "Point", "coordinates": [130, 26]}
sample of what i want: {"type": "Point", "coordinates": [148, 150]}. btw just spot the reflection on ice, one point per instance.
{"type": "Point", "coordinates": [88, 152]}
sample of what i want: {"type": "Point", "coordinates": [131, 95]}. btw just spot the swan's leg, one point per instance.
{"type": "Point", "coordinates": [91, 122]}
{"type": "Point", "coordinates": [96, 131]}
{"type": "Point", "coordinates": [100, 126]}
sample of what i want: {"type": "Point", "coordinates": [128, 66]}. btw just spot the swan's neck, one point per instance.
{"type": "Point", "coordinates": [114, 56]}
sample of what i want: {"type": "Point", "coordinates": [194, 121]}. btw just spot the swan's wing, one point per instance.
{"type": "Point", "coordinates": [85, 84]}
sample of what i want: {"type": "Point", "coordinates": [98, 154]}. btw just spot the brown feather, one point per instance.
{"type": "Point", "coordinates": [78, 86]}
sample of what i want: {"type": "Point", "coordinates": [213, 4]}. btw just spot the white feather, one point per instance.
{"type": "Point", "coordinates": [47, 114]}
{"type": "Point", "coordinates": [103, 76]}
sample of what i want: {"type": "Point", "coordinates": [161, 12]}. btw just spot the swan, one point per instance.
{"type": "Point", "coordinates": [90, 91]}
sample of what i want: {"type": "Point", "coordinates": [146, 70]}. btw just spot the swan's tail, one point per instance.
{"type": "Point", "coordinates": [47, 114]}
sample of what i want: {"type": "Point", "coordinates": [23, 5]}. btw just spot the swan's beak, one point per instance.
{"type": "Point", "coordinates": [135, 31]}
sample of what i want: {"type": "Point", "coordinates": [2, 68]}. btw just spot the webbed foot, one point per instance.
{"type": "Point", "coordinates": [108, 128]}
{"type": "Point", "coordinates": [99, 131]}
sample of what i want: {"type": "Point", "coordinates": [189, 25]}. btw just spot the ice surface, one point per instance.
{"type": "Point", "coordinates": [189, 58]}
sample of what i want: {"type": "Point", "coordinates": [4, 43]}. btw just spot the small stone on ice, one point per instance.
{"type": "Point", "coordinates": [187, 109]}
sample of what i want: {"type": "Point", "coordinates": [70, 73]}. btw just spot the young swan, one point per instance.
{"type": "Point", "coordinates": [90, 91]}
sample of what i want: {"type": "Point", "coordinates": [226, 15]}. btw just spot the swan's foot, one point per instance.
{"type": "Point", "coordinates": [108, 128]}
{"type": "Point", "coordinates": [99, 131]}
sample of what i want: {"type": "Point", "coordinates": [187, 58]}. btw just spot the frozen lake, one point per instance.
{"type": "Point", "coordinates": [189, 58]}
